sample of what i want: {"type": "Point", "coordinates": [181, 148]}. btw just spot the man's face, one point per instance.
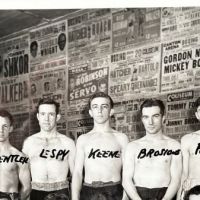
{"type": "Point", "coordinates": [33, 89]}
{"type": "Point", "coordinates": [62, 41]}
{"type": "Point", "coordinates": [100, 110]}
{"type": "Point", "coordinates": [102, 87]}
{"type": "Point", "coordinates": [46, 86]}
{"type": "Point", "coordinates": [60, 83]}
{"type": "Point", "coordinates": [34, 50]}
{"type": "Point", "coordinates": [5, 128]}
{"type": "Point", "coordinates": [152, 119]}
{"type": "Point", "coordinates": [47, 117]}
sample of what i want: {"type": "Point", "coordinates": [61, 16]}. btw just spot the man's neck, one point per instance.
{"type": "Point", "coordinates": [104, 128]}
{"type": "Point", "coordinates": [4, 145]}
{"type": "Point", "coordinates": [48, 134]}
{"type": "Point", "coordinates": [155, 136]}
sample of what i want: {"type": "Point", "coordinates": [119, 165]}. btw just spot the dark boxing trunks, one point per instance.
{"type": "Point", "coordinates": [62, 194]}
{"type": "Point", "coordinates": [101, 191]}
{"type": "Point", "coordinates": [9, 196]}
{"type": "Point", "coordinates": [151, 193]}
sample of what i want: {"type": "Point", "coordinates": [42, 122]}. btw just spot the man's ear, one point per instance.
{"type": "Point", "coordinates": [58, 116]}
{"type": "Point", "coordinates": [112, 112]}
{"type": "Point", "coordinates": [163, 119]}
{"type": "Point", "coordinates": [90, 112]}
{"type": "Point", "coordinates": [197, 116]}
{"type": "Point", "coordinates": [37, 115]}
{"type": "Point", "coordinates": [11, 129]}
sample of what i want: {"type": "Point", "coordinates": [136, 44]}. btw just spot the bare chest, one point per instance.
{"type": "Point", "coordinates": [49, 150]}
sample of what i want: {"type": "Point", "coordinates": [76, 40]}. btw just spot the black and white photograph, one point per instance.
{"type": "Point", "coordinates": [99, 101]}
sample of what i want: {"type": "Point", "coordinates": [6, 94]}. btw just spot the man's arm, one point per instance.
{"type": "Point", "coordinates": [185, 140]}
{"type": "Point", "coordinates": [25, 180]}
{"type": "Point", "coordinates": [128, 172]}
{"type": "Point", "coordinates": [78, 169]}
{"type": "Point", "coordinates": [72, 157]}
{"type": "Point", "coordinates": [175, 171]}
{"type": "Point", "coordinates": [124, 142]}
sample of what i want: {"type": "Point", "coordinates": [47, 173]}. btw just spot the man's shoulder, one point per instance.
{"type": "Point", "coordinates": [65, 139]}
{"type": "Point", "coordinates": [172, 141]}
{"type": "Point", "coordinates": [119, 135]}
{"type": "Point", "coordinates": [190, 138]}
{"type": "Point", "coordinates": [15, 151]}
{"type": "Point", "coordinates": [192, 135]}
{"type": "Point", "coordinates": [31, 138]}
{"type": "Point", "coordinates": [135, 143]}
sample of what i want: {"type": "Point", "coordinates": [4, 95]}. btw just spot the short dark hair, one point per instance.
{"type": "Point", "coordinates": [193, 191]}
{"type": "Point", "coordinates": [153, 102]}
{"type": "Point", "coordinates": [49, 102]}
{"type": "Point", "coordinates": [197, 103]}
{"type": "Point", "coordinates": [100, 94]}
{"type": "Point", "coordinates": [5, 113]}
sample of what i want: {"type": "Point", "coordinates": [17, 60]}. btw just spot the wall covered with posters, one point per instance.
{"type": "Point", "coordinates": [131, 54]}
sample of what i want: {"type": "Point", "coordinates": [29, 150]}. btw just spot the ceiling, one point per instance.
{"type": "Point", "coordinates": [12, 21]}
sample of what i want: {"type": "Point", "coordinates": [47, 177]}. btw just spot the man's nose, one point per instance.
{"type": "Point", "coordinates": [1, 129]}
{"type": "Point", "coordinates": [150, 120]}
{"type": "Point", "coordinates": [46, 117]}
{"type": "Point", "coordinates": [100, 109]}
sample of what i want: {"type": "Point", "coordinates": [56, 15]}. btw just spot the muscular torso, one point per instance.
{"type": "Point", "coordinates": [9, 169]}
{"type": "Point", "coordinates": [194, 157]}
{"type": "Point", "coordinates": [48, 159]}
{"type": "Point", "coordinates": [103, 158]}
{"type": "Point", "coordinates": [152, 163]}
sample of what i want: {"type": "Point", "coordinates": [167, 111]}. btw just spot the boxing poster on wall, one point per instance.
{"type": "Point", "coordinates": [181, 64]}
{"type": "Point", "coordinates": [47, 43]}
{"type": "Point", "coordinates": [179, 21]}
{"type": "Point", "coordinates": [136, 71]}
{"type": "Point", "coordinates": [135, 26]}
{"type": "Point", "coordinates": [180, 113]}
{"type": "Point", "coordinates": [14, 85]}
{"type": "Point", "coordinates": [89, 35]}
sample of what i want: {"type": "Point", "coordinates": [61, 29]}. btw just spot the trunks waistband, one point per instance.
{"type": "Point", "coordinates": [101, 184]}
{"type": "Point", "coordinates": [145, 188]}
{"type": "Point", "coordinates": [50, 186]}
{"type": "Point", "coordinates": [9, 195]}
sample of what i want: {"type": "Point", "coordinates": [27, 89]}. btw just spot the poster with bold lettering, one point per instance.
{"type": "Point", "coordinates": [84, 79]}
{"type": "Point", "coordinates": [180, 113]}
{"type": "Point", "coordinates": [135, 26]}
{"type": "Point", "coordinates": [135, 71]}
{"type": "Point", "coordinates": [181, 64]}
{"type": "Point", "coordinates": [179, 21]}
{"type": "Point", "coordinates": [47, 43]}
{"type": "Point", "coordinates": [48, 84]}
{"type": "Point", "coordinates": [14, 85]}
{"type": "Point", "coordinates": [89, 35]}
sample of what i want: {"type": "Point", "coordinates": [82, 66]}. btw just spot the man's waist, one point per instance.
{"type": "Point", "coordinates": [50, 186]}
{"type": "Point", "coordinates": [101, 184]}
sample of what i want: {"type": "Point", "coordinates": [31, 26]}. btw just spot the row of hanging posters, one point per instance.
{"type": "Point", "coordinates": [129, 54]}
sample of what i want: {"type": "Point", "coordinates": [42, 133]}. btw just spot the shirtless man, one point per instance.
{"type": "Point", "coordinates": [99, 154]}
{"type": "Point", "coordinates": [190, 147]}
{"type": "Point", "coordinates": [14, 168]}
{"type": "Point", "coordinates": [152, 164]}
{"type": "Point", "coordinates": [51, 154]}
